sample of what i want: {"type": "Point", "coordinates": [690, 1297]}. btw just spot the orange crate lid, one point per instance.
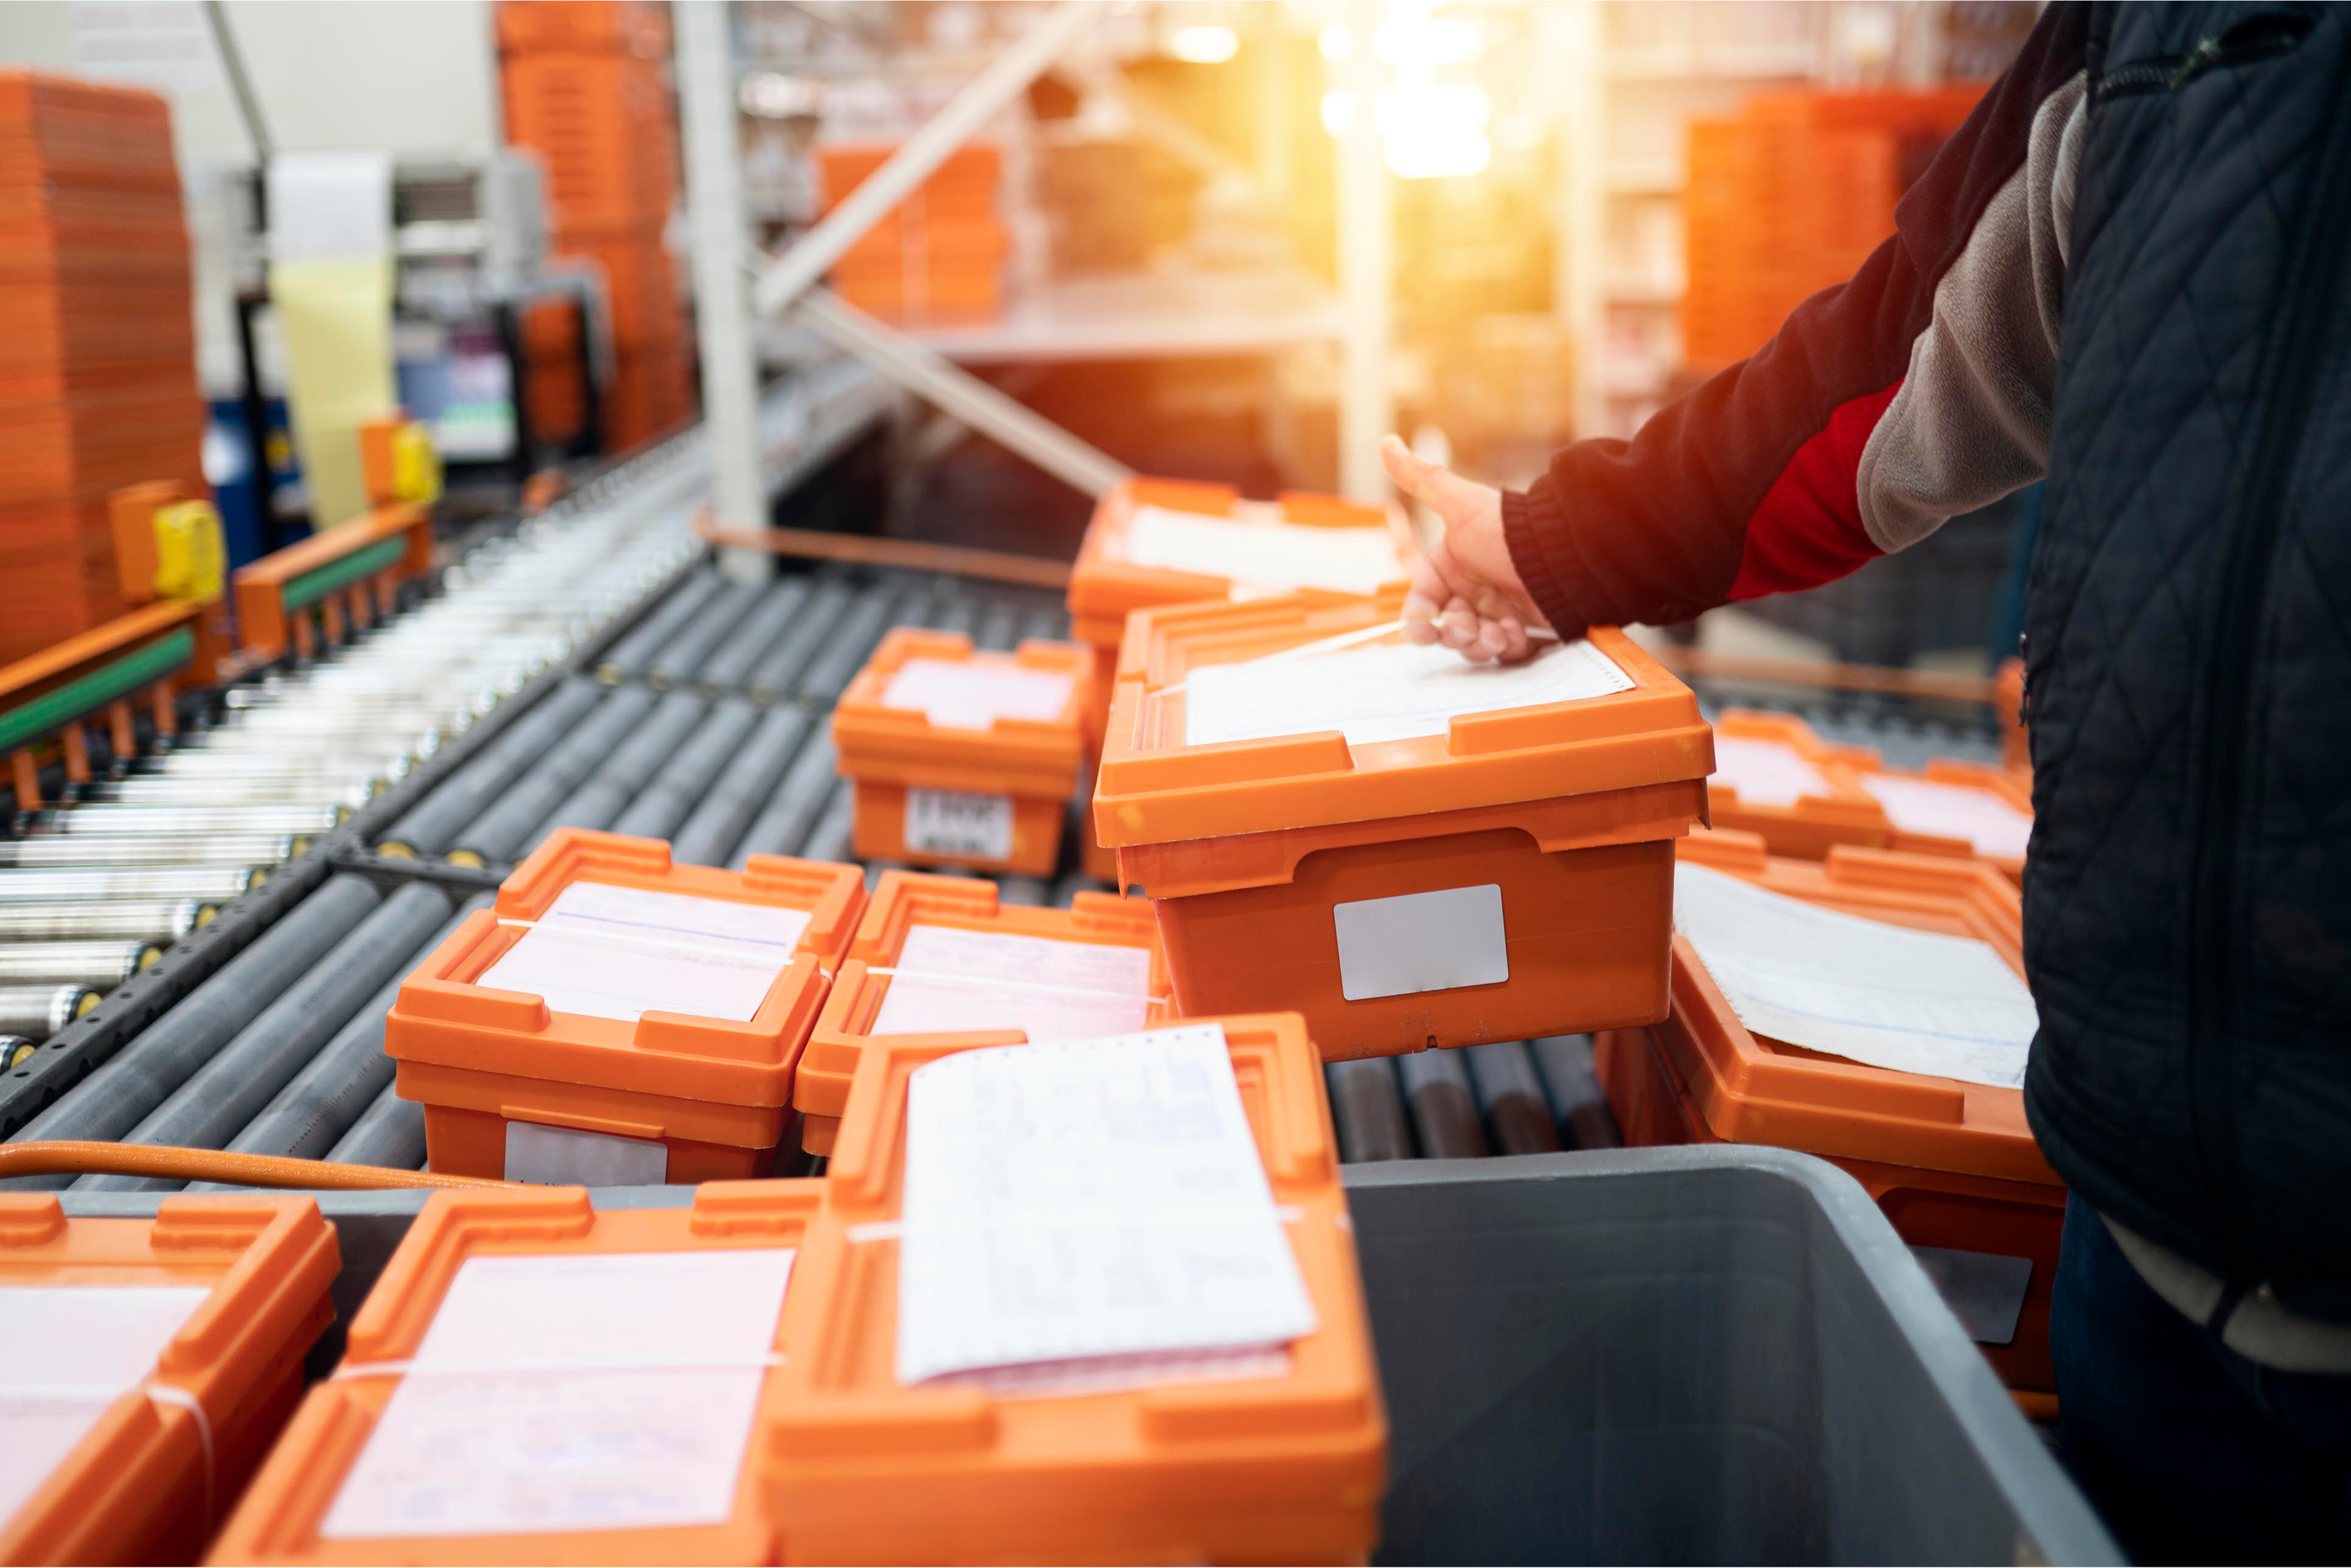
{"type": "Point", "coordinates": [1283, 1468]}
{"type": "Point", "coordinates": [1116, 571]}
{"type": "Point", "coordinates": [1094, 968]}
{"type": "Point", "coordinates": [1800, 793]}
{"type": "Point", "coordinates": [447, 1018]}
{"type": "Point", "coordinates": [226, 1295]}
{"type": "Point", "coordinates": [1156, 788]}
{"type": "Point", "coordinates": [1952, 808]}
{"type": "Point", "coordinates": [1751, 1089]}
{"type": "Point", "coordinates": [525, 1242]}
{"type": "Point", "coordinates": [1027, 743]}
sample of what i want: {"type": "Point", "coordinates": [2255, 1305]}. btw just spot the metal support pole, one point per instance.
{"type": "Point", "coordinates": [964, 396]}
{"type": "Point", "coordinates": [1007, 78]}
{"type": "Point", "coordinates": [1366, 243]}
{"type": "Point", "coordinates": [713, 197]}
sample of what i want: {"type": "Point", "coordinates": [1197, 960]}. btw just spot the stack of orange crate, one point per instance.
{"type": "Point", "coordinates": [97, 370]}
{"type": "Point", "coordinates": [939, 255]}
{"type": "Point", "coordinates": [1790, 197]}
{"type": "Point", "coordinates": [586, 89]}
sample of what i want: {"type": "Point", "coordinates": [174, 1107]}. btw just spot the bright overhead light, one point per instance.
{"type": "Point", "coordinates": [1204, 44]}
{"type": "Point", "coordinates": [1426, 133]}
{"type": "Point", "coordinates": [1338, 112]}
{"type": "Point", "coordinates": [1335, 41]}
{"type": "Point", "coordinates": [1428, 41]}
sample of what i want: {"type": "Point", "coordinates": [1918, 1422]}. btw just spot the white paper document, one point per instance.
{"type": "Point", "coordinates": [1389, 692]}
{"type": "Point", "coordinates": [1087, 1199]}
{"type": "Point", "coordinates": [608, 1391]}
{"type": "Point", "coordinates": [1911, 1001]}
{"type": "Point", "coordinates": [957, 694]}
{"type": "Point", "coordinates": [1766, 772]}
{"type": "Point", "coordinates": [1268, 556]}
{"type": "Point", "coordinates": [952, 981]}
{"type": "Point", "coordinates": [1979, 816]}
{"type": "Point", "coordinates": [81, 1348]}
{"type": "Point", "coordinates": [622, 952]}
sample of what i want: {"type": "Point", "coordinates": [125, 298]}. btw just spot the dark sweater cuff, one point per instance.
{"type": "Point", "coordinates": [1534, 527]}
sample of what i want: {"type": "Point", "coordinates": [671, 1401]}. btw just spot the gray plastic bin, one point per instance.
{"type": "Point", "coordinates": [1718, 1355]}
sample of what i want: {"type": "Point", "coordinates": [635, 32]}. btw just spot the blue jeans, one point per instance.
{"type": "Point", "coordinates": [2193, 1453]}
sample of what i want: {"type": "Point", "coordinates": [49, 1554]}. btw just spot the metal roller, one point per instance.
{"type": "Point", "coordinates": [834, 836]}
{"type": "Point", "coordinates": [776, 675]}
{"type": "Point", "coordinates": [91, 821]}
{"type": "Point", "coordinates": [503, 831]}
{"type": "Point", "coordinates": [427, 829]}
{"type": "Point", "coordinates": [118, 1095]}
{"type": "Point", "coordinates": [327, 1097]}
{"type": "Point", "coordinates": [876, 870]}
{"type": "Point", "coordinates": [227, 1092]}
{"type": "Point", "coordinates": [37, 1012]}
{"type": "Point", "coordinates": [147, 885]}
{"type": "Point", "coordinates": [165, 921]}
{"type": "Point", "coordinates": [287, 768]}
{"type": "Point", "coordinates": [634, 653]}
{"type": "Point", "coordinates": [606, 795]}
{"type": "Point", "coordinates": [15, 1050]}
{"type": "Point", "coordinates": [681, 658]}
{"type": "Point", "coordinates": [999, 628]}
{"type": "Point", "coordinates": [1367, 1108]}
{"type": "Point", "coordinates": [959, 616]}
{"type": "Point", "coordinates": [718, 824]}
{"type": "Point", "coordinates": [1025, 890]}
{"type": "Point", "coordinates": [783, 823]}
{"type": "Point", "coordinates": [729, 666]}
{"type": "Point", "coordinates": [1049, 625]}
{"type": "Point", "coordinates": [846, 649]}
{"type": "Point", "coordinates": [1517, 1112]}
{"type": "Point", "coordinates": [1443, 1108]}
{"type": "Point", "coordinates": [101, 965]}
{"type": "Point", "coordinates": [122, 850]}
{"type": "Point", "coordinates": [390, 1134]}
{"type": "Point", "coordinates": [1066, 891]}
{"type": "Point", "coordinates": [688, 775]}
{"type": "Point", "coordinates": [1564, 1063]}
{"type": "Point", "coordinates": [175, 793]}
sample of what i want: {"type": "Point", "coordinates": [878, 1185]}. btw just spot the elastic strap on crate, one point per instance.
{"type": "Point", "coordinates": [1345, 640]}
{"type": "Point", "coordinates": [990, 982]}
{"type": "Point", "coordinates": [180, 1398]}
{"type": "Point", "coordinates": [895, 1229]}
{"type": "Point", "coordinates": [351, 1370]}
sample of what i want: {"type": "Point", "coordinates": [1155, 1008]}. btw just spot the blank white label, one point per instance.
{"type": "Point", "coordinates": [952, 822]}
{"type": "Point", "coordinates": [1985, 1290]}
{"type": "Point", "coordinates": [1270, 556]}
{"type": "Point", "coordinates": [560, 1157]}
{"type": "Point", "coordinates": [959, 695]}
{"type": "Point", "coordinates": [1422, 942]}
{"type": "Point", "coordinates": [611, 1391]}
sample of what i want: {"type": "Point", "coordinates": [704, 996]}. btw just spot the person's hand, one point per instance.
{"type": "Point", "coordinates": [1467, 594]}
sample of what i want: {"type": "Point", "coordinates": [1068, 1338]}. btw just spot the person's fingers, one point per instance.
{"type": "Point", "coordinates": [1446, 493]}
{"type": "Point", "coordinates": [1460, 625]}
{"type": "Point", "coordinates": [1424, 602]}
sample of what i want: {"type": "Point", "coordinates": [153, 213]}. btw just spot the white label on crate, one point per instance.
{"type": "Point", "coordinates": [1909, 1001]}
{"type": "Point", "coordinates": [1417, 942]}
{"type": "Point", "coordinates": [951, 981]}
{"type": "Point", "coordinates": [1985, 1290]}
{"type": "Point", "coordinates": [954, 822]}
{"type": "Point", "coordinates": [1765, 772]}
{"type": "Point", "coordinates": [622, 952]}
{"type": "Point", "coordinates": [1265, 555]}
{"type": "Point", "coordinates": [958, 694]}
{"type": "Point", "coordinates": [1387, 692]}
{"type": "Point", "coordinates": [573, 1392]}
{"type": "Point", "coordinates": [94, 1344]}
{"type": "Point", "coordinates": [1976, 817]}
{"type": "Point", "coordinates": [1072, 1203]}
{"type": "Point", "coordinates": [561, 1157]}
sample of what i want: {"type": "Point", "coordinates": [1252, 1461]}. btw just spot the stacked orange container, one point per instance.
{"type": "Point", "coordinates": [97, 379]}
{"type": "Point", "coordinates": [586, 89]}
{"type": "Point", "coordinates": [939, 255]}
{"type": "Point", "coordinates": [619, 1019]}
{"type": "Point", "coordinates": [1790, 197]}
{"type": "Point", "coordinates": [1902, 1063]}
{"type": "Point", "coordinates": [942, 959]}
{"type": "Point", "coordinates": [1776, 778]}
{"type": "Point", "coordinates": [156, 1360]}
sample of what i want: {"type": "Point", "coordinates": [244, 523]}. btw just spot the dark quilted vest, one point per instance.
{"type": "Point", "coordinates": [2187, 900]}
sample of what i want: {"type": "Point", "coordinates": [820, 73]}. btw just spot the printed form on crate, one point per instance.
{"type": "Point", "coordinates": [1091, 1214]}
{"type": "Point", "coordinates": [621, 952]}
{"type": "Point", "coordinates": [971, 695]}
{"type": "Point", "coordinates": [1261, 554]}
{"type": "Point", "coordinates": [1977, 817]}
{"type": "Point", "coordinates": [95, 1343]}
{"type": "Point", "coordinates": [1391, 691]}
{"type": "Point", "coordinates": [571, 1392]}
{"type": "Point", "coordinates": [1909, 1001]}
{"type": "Point", "coordinates": [1766, 772]}
{"type": "Point", "coordinates": [948, 980]}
